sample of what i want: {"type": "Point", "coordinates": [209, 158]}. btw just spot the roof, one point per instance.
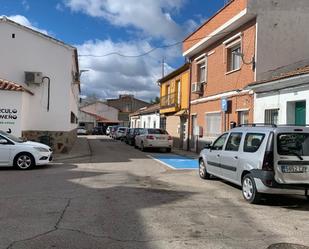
{"type": "Point", "coordinates": [146, 110]}
{"type": "Point", "coordinates": [175, 73]}
{"type": "Point", "coordinates": [296, 72]}
{"type": "Point", "coordinates": [100, 118]}
{"type": "Point", "coordinates": [12, 86]}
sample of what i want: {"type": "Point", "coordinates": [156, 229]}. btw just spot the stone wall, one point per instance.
{"type": "Point", "coordinates": [59, 141]}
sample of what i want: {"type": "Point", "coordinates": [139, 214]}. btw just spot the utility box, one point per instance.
{"type": "Point", "coordinates": [33, 78]}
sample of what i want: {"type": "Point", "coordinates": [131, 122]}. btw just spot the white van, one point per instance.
{"type": "Point", "coordinates": [262, 159]}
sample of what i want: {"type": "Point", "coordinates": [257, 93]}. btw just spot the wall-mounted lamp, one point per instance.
{"type": "Point", "coordinates": [241, 55]}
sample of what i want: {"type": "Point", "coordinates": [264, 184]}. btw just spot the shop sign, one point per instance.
{"type": "Point", "coordinates": [8, 115]}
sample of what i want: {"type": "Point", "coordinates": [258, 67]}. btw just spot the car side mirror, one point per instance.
{"type": "Point", "coordinates": [3, 141]}
{"type": "Point", "coordinates": [208, 146]}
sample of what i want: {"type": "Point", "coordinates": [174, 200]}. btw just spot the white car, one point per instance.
{"type": "Point", "coordinates": [22, 154]}
{"type": "Point", "coordinates": [81, 131]}
{"type": "Point", "coordinates": [153, 138]}
{"type": "Point", "coordinates": [120, 132]}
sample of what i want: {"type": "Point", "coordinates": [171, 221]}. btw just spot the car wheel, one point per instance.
{"type": "Point", "coordinates": [203, 171]}
{"type": "Point", "coordinates": [24, 161]}
{"type": "Point", "coordinates": [249, 190]}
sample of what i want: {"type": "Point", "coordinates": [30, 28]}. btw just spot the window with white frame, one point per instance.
{"type": "Point", "coordinates": [201, 64]}
{"type": "Point", "coordinates": [243, 117]}
{"type": "Point", "coordinates": [213, 124]}
{"type": "Point", "coordinates": [271, 116]}
{"type": "Point", "coordinates": [233, 57]}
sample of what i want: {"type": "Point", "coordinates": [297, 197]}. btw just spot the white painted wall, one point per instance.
{"type": "Point", "coordinates": [279, 99]}
{"type": "Point", "coordinates": [31, 52]}
{"type": "Point", "coordinates": [282, 35]}
{"type": "Point", "coordinates": [103, 110]}
{"type": "Point", "coordinates": [149, 120]}
{"type": "Point", "coordinates": [10, 100]}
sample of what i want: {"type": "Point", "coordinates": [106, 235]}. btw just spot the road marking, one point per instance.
{"type": "Point", "coordinates": [175, 162]}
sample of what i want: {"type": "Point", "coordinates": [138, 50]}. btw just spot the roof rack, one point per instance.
{"type": "Point", "coordinates": [257, 124]}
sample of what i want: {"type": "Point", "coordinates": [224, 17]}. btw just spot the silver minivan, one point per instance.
{"type": "Point", "coordinates": [261, 159]}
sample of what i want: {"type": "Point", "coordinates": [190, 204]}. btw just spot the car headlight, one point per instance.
{"type": "Point", "coordinates": [41, 149]}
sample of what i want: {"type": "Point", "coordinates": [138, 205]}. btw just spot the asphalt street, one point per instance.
{"type": "Point", "coordinates": [119, 197]}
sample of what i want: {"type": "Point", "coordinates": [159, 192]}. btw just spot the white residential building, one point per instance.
{"type": "Point", "coordinates": [41, 106]}
{"type": "Point", "coordinates": [147, 117]}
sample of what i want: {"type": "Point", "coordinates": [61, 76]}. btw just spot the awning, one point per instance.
{"type": "Point", "coordinates": [181, 113]}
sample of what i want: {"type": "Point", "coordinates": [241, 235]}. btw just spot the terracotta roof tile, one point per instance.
{"type": "Point", "coordinates": [12, 86]}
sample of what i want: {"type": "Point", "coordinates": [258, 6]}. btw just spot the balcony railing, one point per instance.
{"type": "Point", "coordinates": [170, 100]}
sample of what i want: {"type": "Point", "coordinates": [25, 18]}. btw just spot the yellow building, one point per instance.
{"type": "Point", "coordinates": [174, 104]}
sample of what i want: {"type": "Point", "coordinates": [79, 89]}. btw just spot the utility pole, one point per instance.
{"type": "Point", "coordinates": [163, 66]}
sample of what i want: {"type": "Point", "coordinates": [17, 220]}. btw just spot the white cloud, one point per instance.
{"type": "Point", "coordinates": [24, 21]}
{"type": "Point", "coordinates": [25, 5]}
{"type": "Point", "coordinates": [152, 17]}
{"type": "Point", "coordinates": [113, 75]}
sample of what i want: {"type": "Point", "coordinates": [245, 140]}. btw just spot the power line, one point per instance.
{"type": "Point", "coordinates": [151, 50]}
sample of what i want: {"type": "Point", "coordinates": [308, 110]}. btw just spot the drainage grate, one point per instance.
{"type": "Point", "coordinates": [287, 246]}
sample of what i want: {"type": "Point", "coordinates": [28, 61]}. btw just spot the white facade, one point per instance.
{"type": "Point", "coordinates": [282, 95]}
{"type": "Point", "coordinates": [150, 120]}
{"type": "Point", "coordinates": [23, 49]}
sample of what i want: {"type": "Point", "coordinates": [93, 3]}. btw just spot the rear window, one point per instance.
{"type": "Point", "coordinates": [253, 142]}
{"type": "Point", "coordinates": [156, 131]}
{"type": "Point", "coordinates": [291, 143]}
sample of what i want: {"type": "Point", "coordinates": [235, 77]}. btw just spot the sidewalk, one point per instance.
{"type": "Point", "coordinates": [81, 148]}
{"type": "Point", "coordinates": [185, 153]}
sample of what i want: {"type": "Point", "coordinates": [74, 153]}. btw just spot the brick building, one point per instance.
{"type": "Point", "coordinates": [234, 48]}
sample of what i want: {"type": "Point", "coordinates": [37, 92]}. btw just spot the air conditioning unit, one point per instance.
{"type": "Point", "coordinates": [33, 77]}
{"type": "Point", "coordinates": [197, 87]}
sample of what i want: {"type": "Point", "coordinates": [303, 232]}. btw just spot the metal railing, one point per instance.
{"type": "Point", "coordinates": [169, 100]}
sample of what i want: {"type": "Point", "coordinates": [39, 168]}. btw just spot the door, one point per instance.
{"type": "Point", "coordinates": [213, 156]}
{"type": "Point", "coordinates": [230, 157]}
{"type": "Point", "coordinates": [193, 136]}
{"type": "Point", "coordinates": [5, 151]}
{"type": "Point", "coordinates": [300, 113]}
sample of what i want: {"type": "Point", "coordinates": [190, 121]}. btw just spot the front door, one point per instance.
{"type": "Point", "coordinates": [230, 157]}
{"type": "Point", "coordinates": [5, 151]}
{"type": "Point", "coordinates": [300, 113]}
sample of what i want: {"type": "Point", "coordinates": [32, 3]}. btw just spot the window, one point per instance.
{"type": "Point", "coordinates": [163, 123]}
{"type": "Point", "coordinates": [271, 116]}
{"type": "Point", "coordinates": [154, 124]}
{"type": "Point", "coordinates": [253, 142]}
{"type": "Point", "coordinates": [295, 144]}
{"type": "Point", "coordinates": [213, 124]}
{"type": "Point", "coordinates": [201, 72]}
{"type": "Point", "coordinates": [243, 117]}
{"type": "Point", "coordinates": [178, 82]}
{"type": "Point", "coordinates": [74, 119]}
{"type": "Point", "coordinates": [232, 58]}
{"type": "Point", "coordinates": [233, 142]}
{"type": "Point", "coordinates": [219, 143]}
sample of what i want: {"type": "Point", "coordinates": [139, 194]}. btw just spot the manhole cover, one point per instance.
{"type": "Point", "coordinates": [287, 246]}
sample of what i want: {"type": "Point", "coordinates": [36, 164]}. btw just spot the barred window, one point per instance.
{"type": "Point", "coordinates": [213, 124]}
{"type": "Point", "coordinates": [271, 116]}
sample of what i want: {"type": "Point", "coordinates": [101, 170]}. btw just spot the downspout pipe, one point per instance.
{"type": "Point", "coordinates": [189, 109]}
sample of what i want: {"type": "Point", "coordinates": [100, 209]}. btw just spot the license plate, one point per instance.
{"type": "Point", "coordinates": [294, 169]}
{"type": "Point", "coordinates": [161, 138]}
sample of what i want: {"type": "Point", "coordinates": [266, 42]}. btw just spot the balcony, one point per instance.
{"type": "Point", "coordinates": [169, 103]}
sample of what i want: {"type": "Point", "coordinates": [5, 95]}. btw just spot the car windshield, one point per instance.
{"type": "Point", "coordinates": [293, 144]}
{"type": "Point", "coordinates": [11, 137]}
{"type": "Point", "coordinates": [156, 131]}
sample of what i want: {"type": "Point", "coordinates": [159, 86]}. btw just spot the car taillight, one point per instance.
{"type": "Point", "coordinates": [170, 138]}
{"type": "Point", "coordinates": [150, 137]}
{"type": "Point", "coordinates": [268, 162]}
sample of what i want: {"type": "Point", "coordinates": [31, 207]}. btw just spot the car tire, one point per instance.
{"type": "Point", "coordinates": [24, 161]}
{"type": "Point", "coordinates": [249, 190]}
{"type": "Point", "coordinates": [203, 171]}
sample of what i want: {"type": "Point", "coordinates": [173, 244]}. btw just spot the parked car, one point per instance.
{"type": "Point", "coordinates": [82, 131]}
{"type": "Point", "coordinates": [260, 159]}
{"type": "Point", "coordinates": [153, 138]}
{"type": "Point", "coordinates": [108, 130]}
{"type": "Point", "coordinates": [99, 130]}
{"type": "Point", "coordinates": [120, 133]}
{"type": "Point", "coordinates": [22, 154]}
{"type": "Point", "coordinates": [131, 134]}
{"type": "Point", "coordinates": [113, 130]}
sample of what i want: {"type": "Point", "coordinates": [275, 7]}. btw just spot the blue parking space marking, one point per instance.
{"type": "Point", "coordinates": [175, 161]}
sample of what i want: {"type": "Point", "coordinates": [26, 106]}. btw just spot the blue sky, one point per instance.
{"type": "Point", "coordinates": [130, 27]}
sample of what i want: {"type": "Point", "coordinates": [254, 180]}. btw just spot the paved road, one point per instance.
{"type": "Point", "coordinates": [120, 198]}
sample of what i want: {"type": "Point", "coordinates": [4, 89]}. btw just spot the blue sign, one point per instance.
{"type": "Point", "coordinates": [224, 105]}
